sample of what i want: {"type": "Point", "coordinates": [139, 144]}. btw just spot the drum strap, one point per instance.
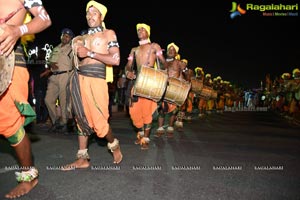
{"type": "Point", "coordinates": [133, 66]}
{"type": "Point", "coordinates": [10, 15]}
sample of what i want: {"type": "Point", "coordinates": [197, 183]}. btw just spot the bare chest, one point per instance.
{"type": "Point", "coordinates": [11, 11]}
{"type": "Point", "coordinates": [96, 42]}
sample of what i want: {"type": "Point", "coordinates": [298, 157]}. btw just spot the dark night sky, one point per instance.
{"type": "Point", "coordinates": [241, 50]}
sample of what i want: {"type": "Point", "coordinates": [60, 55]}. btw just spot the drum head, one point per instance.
{"type": "Point", "coordinates": [6, 71]}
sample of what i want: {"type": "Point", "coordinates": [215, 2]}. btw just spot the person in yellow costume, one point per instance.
{"type": "Point", "coordinates": [202, 104]}
{"type": "Point", "coordinates": [296, 73]}
{"type": "Point", "coordinates": [88, 86]}
{"type": "Point", "coordinates": [174, 69]}
{"type": "Point", "coordinates": [141, 109]}
{"type": "Point", "coordinates": [220, 101]}
{"type": "Point", "coordinates": [185, 107]}
{"type": "Point", "coordinates": [191, 96]}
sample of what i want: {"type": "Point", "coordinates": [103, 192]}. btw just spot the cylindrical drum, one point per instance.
{"type": "Point", "coordinates": [206, 92]}
{"type": "Point", "coordinates": [150, 83]}
{"type": "Point", "coordinates": [197, 85]}
{"type": "Point", "coordinates": [214, 94]}
{"type": "Point", "coordinates": [177, 91]}
{"type": "Point", "coordinates": [7, 65]}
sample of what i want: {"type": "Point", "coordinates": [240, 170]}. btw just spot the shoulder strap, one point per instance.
{"type": "Point", "coordinates": [10, 15]}
{"type": "Point", "coordinates": [133, 66]}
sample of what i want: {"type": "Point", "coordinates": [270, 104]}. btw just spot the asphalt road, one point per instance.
{"type": "Point", "coordinates": [235, 155]}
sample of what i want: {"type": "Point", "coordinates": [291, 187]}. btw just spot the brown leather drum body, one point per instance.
{"type": "Point", "coordinates": [6, 71]}
{"type": "Point", "coordinates": [177, 91]}
{"type": "Point", "coordinates": [197, 85]}
{"type": "Point", "coordinates": [208, 93]}
{"type": "Point", "coordinates": [150, 83]}
{"type": "Point", "coordinates": [214, 94]}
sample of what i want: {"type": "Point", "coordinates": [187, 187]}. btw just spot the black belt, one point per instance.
{"type": "Point", "coordinates": [61, 72]}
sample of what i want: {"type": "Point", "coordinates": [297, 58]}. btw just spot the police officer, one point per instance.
{"type": "Point", "coordinates": [61, 65]}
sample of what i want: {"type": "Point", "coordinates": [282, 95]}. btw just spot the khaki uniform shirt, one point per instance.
{"type": "Point", "coordinates": [62, 56]}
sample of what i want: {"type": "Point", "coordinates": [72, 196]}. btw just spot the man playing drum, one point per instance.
{"type": "Point", "coordinates": [144, 55]}
{"type": "Point", "coordinates": [15, 111]}
{"type": "Point", "coordinates": [187, 108]}
{"type": "Point", "coordinates": [174, 67]}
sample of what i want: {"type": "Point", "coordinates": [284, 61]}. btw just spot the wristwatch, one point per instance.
{"type": "Point", "coordinates": [91, 54]}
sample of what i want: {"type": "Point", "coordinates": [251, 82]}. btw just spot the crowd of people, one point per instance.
{"type": "Point", "coordinates": [282, 94]}
{"type": "Point", "coordinates": [63, 87]}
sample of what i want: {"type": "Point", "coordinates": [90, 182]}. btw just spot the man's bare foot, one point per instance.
{"type": "Point", "coordinates": [78, 164]}
{"type": "Point", "coordinates": [21, 189]}
{"type": "Point", "coordinates": [117, 155]}
{"type": "Point", "coordinates": [170, 135]}
{"type": "Point", "coordinates": [159, 132]}
{"type": "Point", "coordinates": [179, 129]}
{"type": "Point", "coordinates": [145, 146]}
{"type": "Point", "coordinates": [137, 141]}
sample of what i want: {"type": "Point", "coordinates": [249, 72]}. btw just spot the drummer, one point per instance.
{"type": "Point", "coordinates": [15, 111]}
{"type": "Point", "coordinates": [186, 108]}
{"type": "Point", "coordinates": [174, 67]}
{"type": "Point", "coordinates": [296, 74]}
{"type": "Point", "coordinates": [220, 101]}
{"type": "Point", "coordinates": [141, 109]}
{"type": "Point", "coordinates": [294, 106]}
{"type": "Point", "coordinates": [202, 104]}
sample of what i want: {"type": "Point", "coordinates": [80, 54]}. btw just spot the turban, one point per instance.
{"type": "Point", "coordinates": [145, 26]}
{"type": "Point", "coordinates": [208, 75]}
{"type": "Point", "coordinates": [102, 9]}
{"type": "Point", "coordinates": [296, 70]}
{"type": "Point", "coordinates": [296, 73]}
{"type": "Point", "coordinates": [185, 61]}
{"type": "Point", "coordinates": [198, 68]}
{"type": "Point", "coordinates": [174, 45]}
{"type": "Point", "coordinates": [286, 75]}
